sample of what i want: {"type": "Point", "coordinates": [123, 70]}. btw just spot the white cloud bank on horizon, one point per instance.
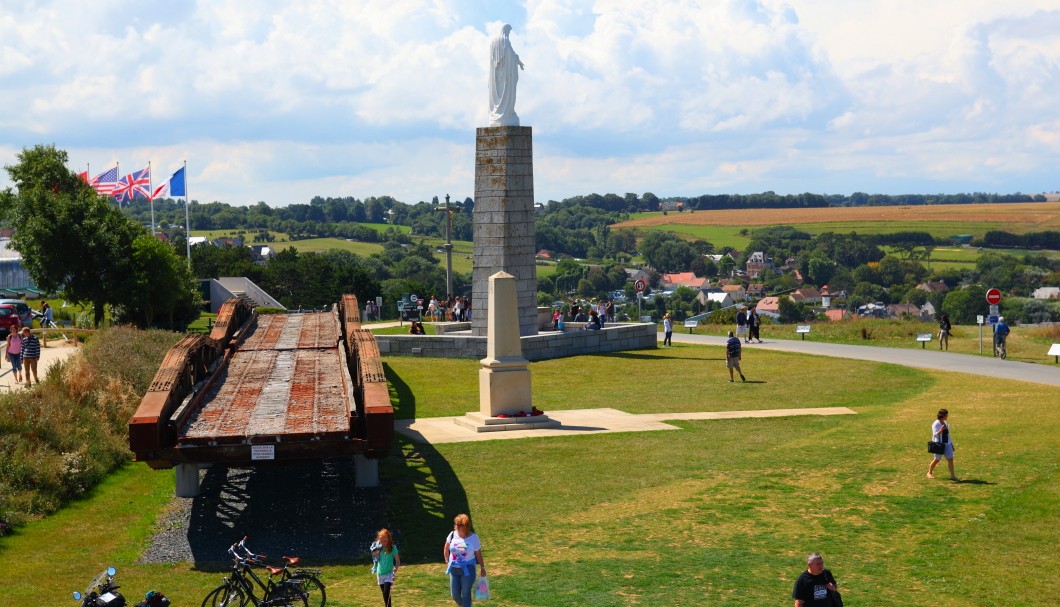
{"type": "Point", "coordinates": [283, 101]}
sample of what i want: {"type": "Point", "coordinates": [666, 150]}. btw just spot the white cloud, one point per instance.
{"type": "Point", "coordinates": [283, 101]}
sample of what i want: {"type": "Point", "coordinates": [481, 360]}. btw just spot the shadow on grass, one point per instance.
{"type": "Point", "coordinates": [973, 481]}
{"type": "Point", "coordinates": [423, 493]}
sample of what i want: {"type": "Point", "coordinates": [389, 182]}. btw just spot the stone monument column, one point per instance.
{"type": "Point", "coordinates": [504, 222]}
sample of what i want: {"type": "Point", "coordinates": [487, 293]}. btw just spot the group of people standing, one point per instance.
{"type": "Point", "coordinates": [22, 348]}
{"type": "Point", "coordinates": [595, 314]}
{"type": "Point", "coordinates": [451, 309]}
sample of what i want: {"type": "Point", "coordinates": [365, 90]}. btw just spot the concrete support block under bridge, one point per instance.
{"type": "Point", "coordinates": [366, 470]}
{"type": "Point", "coordinates": [187, 480]}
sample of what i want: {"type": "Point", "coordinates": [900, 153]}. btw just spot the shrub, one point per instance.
{"type": "Point", "coordinates": [62, 438]}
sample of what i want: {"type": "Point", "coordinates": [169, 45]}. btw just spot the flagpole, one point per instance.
{"type": "Point", "coordinates": [117, 176]}
{"type": "Point", "coordinates": [151, 189]}
{"type": "Point", "coordinates": [187, 219]}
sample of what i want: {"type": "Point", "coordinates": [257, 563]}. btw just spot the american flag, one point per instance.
{"type": "Point", "coordinates": [104, 182]}
{"type": "Point", "coordinates": [132, 186]}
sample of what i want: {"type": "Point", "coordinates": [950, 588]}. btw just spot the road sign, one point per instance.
{"type": "Point", "coordinates": [993, 297]}
{"type": "Point", "coordinates": [640, 285]}
{"type": "Point", "coordinates": [993, 310]}
{"type": "Point", "coordinates": [979, 319]}
{"type": "Point", "coordinates": [414, 299]}
{"type": "Point", "coordinates": [993, 319]}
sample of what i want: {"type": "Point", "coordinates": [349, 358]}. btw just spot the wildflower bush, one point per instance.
{"type": "Point", "coordinates": [60, 439]}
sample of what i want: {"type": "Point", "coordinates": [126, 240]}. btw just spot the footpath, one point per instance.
{"type": "Point", "coordinates": [56, 351]}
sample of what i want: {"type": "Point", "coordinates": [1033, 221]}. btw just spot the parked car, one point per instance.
{"type": "Point", "coordinates": [25, 313]}
{"type": "Point", "coordinates": [9, 320]}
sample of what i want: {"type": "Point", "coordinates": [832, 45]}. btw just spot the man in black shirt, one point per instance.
{"type": "Point", "coordinates": [816, 586]}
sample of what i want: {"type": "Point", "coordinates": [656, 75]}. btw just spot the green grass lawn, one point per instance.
{"type": "Point", "coordinates": [715, 512]}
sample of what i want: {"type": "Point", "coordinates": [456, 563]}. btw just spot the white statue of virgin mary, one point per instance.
{"type": "Point", "coordinates": [504, 74]}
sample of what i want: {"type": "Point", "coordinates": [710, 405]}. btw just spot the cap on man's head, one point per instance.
{"type": "Point", "coordinates": [25, 329]}
{"type": "Point", "coordinates": [1001, 319]}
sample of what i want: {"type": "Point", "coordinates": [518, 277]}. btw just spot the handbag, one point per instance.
{"type": "Point", "coordinates": [837, 600]}
{"type": "Point", "coordinates": [936, 447]}
{"type": "Point", "coordinates": [482, 589]}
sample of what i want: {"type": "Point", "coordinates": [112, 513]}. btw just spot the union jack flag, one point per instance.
{"type": "Point", "coordinates": [132, 186]}
{"type": "Point", "coordinates": [104, 182]}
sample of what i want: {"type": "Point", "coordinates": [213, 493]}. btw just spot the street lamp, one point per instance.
{"type": "Point", "coordinates": [448, 210]}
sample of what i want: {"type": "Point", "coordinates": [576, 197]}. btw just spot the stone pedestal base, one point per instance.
{"type": "Point", "coordinates": [504, 390]}
{"type": "Point", "coordinates": [481, 423]}
{"type": "Point", "coordinates": [366, 471]}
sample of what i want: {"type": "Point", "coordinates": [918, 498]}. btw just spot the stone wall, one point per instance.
{"type": "Point", "coordinates": [615, 337]}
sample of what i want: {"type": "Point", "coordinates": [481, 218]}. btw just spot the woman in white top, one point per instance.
{"type": "Point", "coordinates": [940, 432]}
{"type": "Point", "coordinates": [462, 552]}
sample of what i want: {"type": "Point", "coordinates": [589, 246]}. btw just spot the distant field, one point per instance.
{"type": "Point", "coordinates": [320, 245]}
{"type": "Point", "coordinates": [1017, 218]}
{"type": "Point", "coordinates": [722, 228]}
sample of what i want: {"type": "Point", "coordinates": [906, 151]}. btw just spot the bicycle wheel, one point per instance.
{"type": "Point", "coordinates": [225, 596]}
{"type": "Point", "coordinates": [312, 587]}
{"type": "Point", "coordinates": [287, 594]}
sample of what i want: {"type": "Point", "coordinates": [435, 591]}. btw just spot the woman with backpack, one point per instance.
{"type": "Point", "coordinates": [462, 552]}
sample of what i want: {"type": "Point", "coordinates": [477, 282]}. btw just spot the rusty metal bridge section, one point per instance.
{"type": "Point", "coordinates": [267, 388]}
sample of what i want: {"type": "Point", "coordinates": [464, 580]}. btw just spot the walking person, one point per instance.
{"type": "Point", "coordinates": [13, 353]}
{"type": "Point", "coordinates": [944, 331]}
{"type": "Point", "coordinates": [816, 587]}
{"type": "Point", "coordinates": [46, 310]}
{"type": "Point", "coordinates": [30, 355]}
{"type": "Point", "coordinates": [741, 324]}
{"type": "Point", "coordinates": [940, 433]}
{"type": "Point", "coordinates": [754, 326]}
{"type": "Point", "coordinates": [733, 353]}
{"type": "Point", "coordinates": [385, 562]}
{"type": "Point", "coordinates": [1001, 332]}
{"type": "Point", "coordinates": [462, 552]}
{"type": "Point", "coordinates": [668, 330]}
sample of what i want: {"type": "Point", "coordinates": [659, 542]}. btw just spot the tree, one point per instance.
{"type": "Point", "coordinates": [161, 288]}
{"type": "Point", "coordinates": [789, 310]}
{"type": "Point", "coordinates": [71, 240]}
{"type": "Point", "coordinates": [963, 305]}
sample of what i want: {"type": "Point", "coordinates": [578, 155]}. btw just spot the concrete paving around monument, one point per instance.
{"type": "Point", "coordinates": [574, 422]}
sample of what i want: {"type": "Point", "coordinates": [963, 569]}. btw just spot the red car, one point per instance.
{"type": "Point", "coordinates": [9, 320]}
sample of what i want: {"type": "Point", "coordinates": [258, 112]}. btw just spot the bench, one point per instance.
{"type": "Point", "coordinates": [803, 330]}
{"type": "Point", "coordinates": [923, 338]}
{"type": "Point", "coordinates": [1054, 351]}
{"type": "Point", "coordinates": [691, 324]}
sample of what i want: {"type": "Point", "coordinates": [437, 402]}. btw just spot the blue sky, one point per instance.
{"type": "Point", "coordinates": [281, 101]}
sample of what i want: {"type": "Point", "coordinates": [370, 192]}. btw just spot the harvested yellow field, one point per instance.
{"type": "Point", "coordinates": [1033, 215]}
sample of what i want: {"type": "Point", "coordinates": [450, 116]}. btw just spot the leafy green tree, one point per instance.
{"type": "Point", "coordinates": [161, 288]}
{"type": "Point", "coordinates": [789, 310]}
{"type": "Point", "coordinates": [963, 305]}
{"type": "Point", "coordinates": [71, 240]}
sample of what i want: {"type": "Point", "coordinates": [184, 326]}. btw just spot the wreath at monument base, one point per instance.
{"type": "Point", "coordinates": [533, 413]}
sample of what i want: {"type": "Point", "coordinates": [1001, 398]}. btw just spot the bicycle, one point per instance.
{"type": "Point", "coordinates": [307, 579]}
{"type": "Point", "coordinates": [238, 590]}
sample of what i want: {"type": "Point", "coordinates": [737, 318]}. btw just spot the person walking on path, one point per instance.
{"type": "Point", "coordinates": [944, 331]}
{"type": "Point", "coordinates": [13, 351]}
{"type": "Point", "coordinates": [741, 324]}
{"type": "Point", "coordinates": [30, 355]}
{"type": "Point", "coordinates": [462, 552]}
{"type": "Point", "coordinates": [754, 326]}
{"type": "Point", "coordinates": [668, 330]}
{"type": "Point", "coordinates": [386, 562]}
{"type": "Point", "coordinates": [940, 433]}
{"type": "Point", "coordinates": [1001, 332]}
{"type": "Point", "coordinates": [733, 353]}
{"type": "Point", "coordinates": [816, 587]}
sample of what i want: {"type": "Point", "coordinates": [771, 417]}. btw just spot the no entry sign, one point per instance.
{"type": "Point", "coordinates": [993, 297]}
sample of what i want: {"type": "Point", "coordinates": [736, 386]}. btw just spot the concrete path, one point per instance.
{"type": "Point", "coordinates": [56, 351]}
{"type": "Point", "coordinates": [437, 430]}
{"type": "Point", "coordinates": [986, 366]}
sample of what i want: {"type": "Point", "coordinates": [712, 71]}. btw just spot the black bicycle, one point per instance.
{"type": "Point", "coordinates": [239, 589]}
{"type": "Point", "coordinates": [306, 578]}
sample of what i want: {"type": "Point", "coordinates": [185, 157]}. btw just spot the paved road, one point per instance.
{"type": "Point", "coordinates": [986, 366]}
